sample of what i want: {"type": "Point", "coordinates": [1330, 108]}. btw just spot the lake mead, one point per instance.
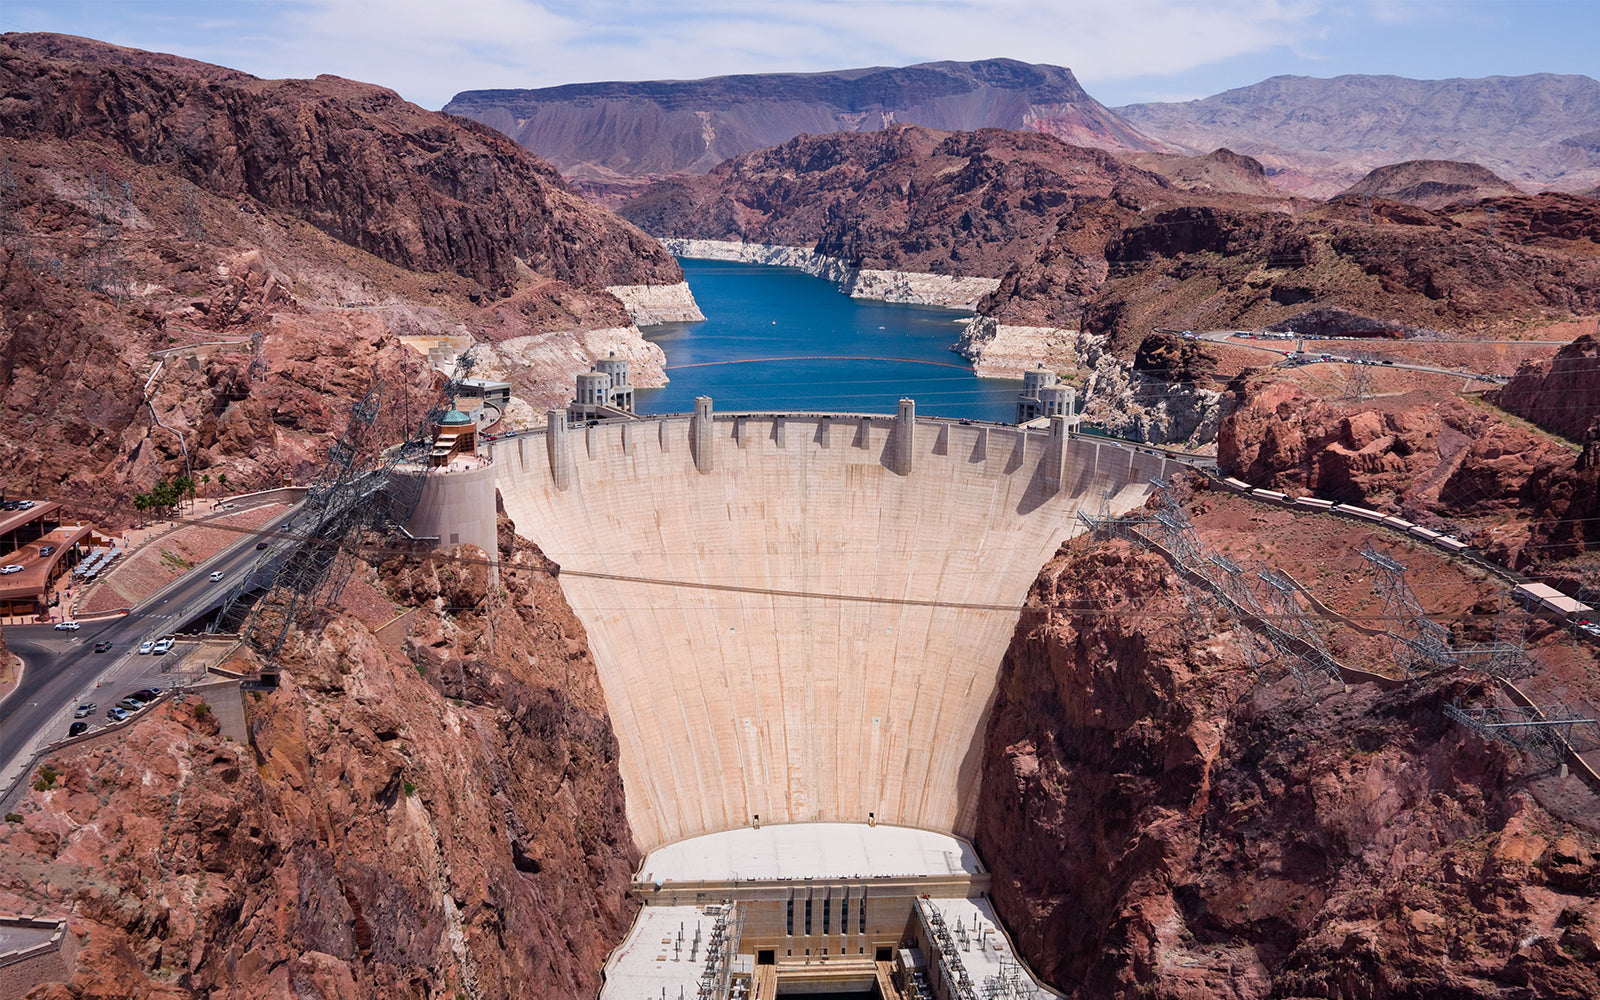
{"type": "Point", "coordinates": [865, 355]}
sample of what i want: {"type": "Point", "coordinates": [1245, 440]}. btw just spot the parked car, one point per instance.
{"type": "Point", "coordinates": [131, 703]}
{"type": "Point", "coordinates": [1590, 627]}
{"type": "Point", "coordinates": [67, 626]}
{"type": "Point", "coordinates": [84, 711]}
{"type": "Point", "coordinates": [162, 646]}
{"type": "Point", "coordinates": [215, 576]}
{"type": "Point", "coordinates": [77, 729]}
{"type": "Point", "coordinates": [116, 714]}
{"type": "Point", "coordinates": [102, 646]}
{"type": "Point", "coordinates": [147, 695]}
{"type": "Point", "coordinates": [8, 570]}
{"type": "Point", "coordinates": [146, 646]}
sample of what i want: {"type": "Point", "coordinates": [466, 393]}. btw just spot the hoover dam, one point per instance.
{"type": "Point", "coordinates": [799, 618]}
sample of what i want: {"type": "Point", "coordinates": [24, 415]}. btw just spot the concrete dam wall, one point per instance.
{"type": "Point", "coordinates": [801, 617]}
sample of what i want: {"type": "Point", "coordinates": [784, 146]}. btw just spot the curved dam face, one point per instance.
{"type": "Point", "coordinates": [800, 618]}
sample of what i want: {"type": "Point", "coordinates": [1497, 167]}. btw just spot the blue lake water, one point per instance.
{"type": "Point", "coordinates": [759, 312]}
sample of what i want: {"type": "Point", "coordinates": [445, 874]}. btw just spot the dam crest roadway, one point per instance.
{"type": "Point", "coordinates": [797, 617]}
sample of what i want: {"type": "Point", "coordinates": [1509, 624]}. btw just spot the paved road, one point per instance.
{"type": "Point", "coordinates": [61, 667]}
{"type": "Point", "coordinates": [1284, 347]}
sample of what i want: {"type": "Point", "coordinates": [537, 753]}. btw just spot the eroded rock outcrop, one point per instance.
{"type": "Point", "coordinates": [1431, 184]}
{"type": "Point", "coordinates": [1562, 394]}
{"type": "Point", "coordinates": [1528, 501]}
{"type": "Point", "coordinates": [1161, 822]}
{"type": "Point", "coordinates": [1401, 450]}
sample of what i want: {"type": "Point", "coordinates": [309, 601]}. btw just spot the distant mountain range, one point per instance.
{"type": "Point", "coordinates": [608, 137]}
{"type": "Point", "coordinates": [1315, 137]}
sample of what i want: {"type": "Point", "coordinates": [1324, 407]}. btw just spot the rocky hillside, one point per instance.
{"type": "Point", "coordinates": [1562, 394]}
{"type": "Point", "coordinates": [1319, 136]}
{"type": "Point", "coordinates": [1431, 184]}
{"type": "Point", "coordinates": [1221, 170]}
{"type": "Point", "coordinates": [1163, 822]}
{"type": "Point", "coordinates": [1529, 501]}
{"type": "Point", "coordinates": [611, 138]}
{"type": "Point", "coordinates": [904, 198]}
{"type": "Point", "coordinates": [442, 819]}
{"type": "Point", "coordinates": [149, 203]}
{"type": "Point", "coordinates": [1085, 241]}
{"type": "Point", "coordinates": [412, 187]}
{"type": "Point", "coordinates": [1118, 272]}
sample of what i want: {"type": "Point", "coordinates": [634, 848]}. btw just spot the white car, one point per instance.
{"type": "Point", "coordinates": [146, 646]}
{"type": "Point", "coordinates": [216, 576]}
{"type": "Point", "coordinates": [67, 626]}
{"type": "Point", "coordinates": [160, 647]}
{"type": "Point", "coordinates": [13, 568]}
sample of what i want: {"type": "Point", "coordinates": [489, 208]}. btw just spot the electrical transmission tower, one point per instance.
{"type": "Point", "coordinates": [1295, 634]}
{"type": "Point", "coordinates": [1549, 732]}
{"type": "Point", "coordinates": [1358, 381]}
{"type": "Point", "coordinates": [309, 567]}
{"type": "Point", "coordinates": [1427, 648]}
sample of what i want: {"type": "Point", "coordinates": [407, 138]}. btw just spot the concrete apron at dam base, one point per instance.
{"type": "Point", "coordinates": [798, 622]}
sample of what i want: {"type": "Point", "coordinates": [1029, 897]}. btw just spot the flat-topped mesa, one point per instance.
{"type": "Point", "coordinates": [799, 617]}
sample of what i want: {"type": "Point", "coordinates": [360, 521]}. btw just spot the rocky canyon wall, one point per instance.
{"type": "Point", "coordinates": [1162, 822]}
{"type": "Point", "coordinates": [440, 819]}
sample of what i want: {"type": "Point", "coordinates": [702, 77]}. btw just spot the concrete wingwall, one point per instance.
{"type": "Point", "coordinates": [802, 618]}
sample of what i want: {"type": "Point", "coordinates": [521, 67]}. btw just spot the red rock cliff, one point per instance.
{"type": "Point", "coordinates": [441, 822]}
{"type": "Point", "coordinates": [1562, 394]}
{"type": "Point", "coordinates": [1161, 823]}
{"type": "Point", "coordinates": [422, 190]}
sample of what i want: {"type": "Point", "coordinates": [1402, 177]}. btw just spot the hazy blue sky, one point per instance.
{"type": "Point", "coordinates": [1122, 50]}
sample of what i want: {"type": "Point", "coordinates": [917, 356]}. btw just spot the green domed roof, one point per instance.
{"type": "Point", "coordinates": [454, 418]}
